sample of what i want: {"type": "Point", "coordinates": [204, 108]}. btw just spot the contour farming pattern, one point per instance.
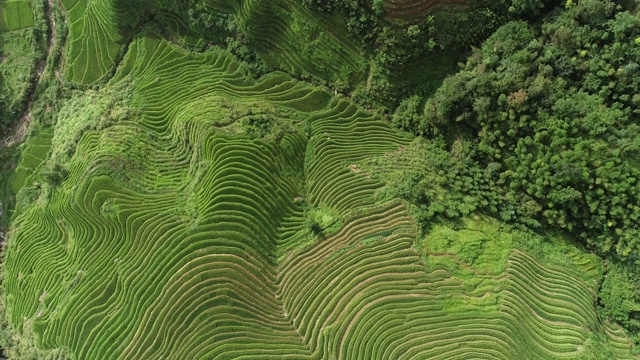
{"type": "Point", "coordinates": [178, 234]}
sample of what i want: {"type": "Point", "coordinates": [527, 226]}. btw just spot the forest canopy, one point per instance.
{"type": "Point", "coordinates": [552, 111]}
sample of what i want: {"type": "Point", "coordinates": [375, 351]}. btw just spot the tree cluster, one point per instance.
{"type": "Point", "coordinates": [363, 17]}
{"type": "Point", "coordinates": [619, 296]}
{"type": "Point", "coordinates": [554, 107]}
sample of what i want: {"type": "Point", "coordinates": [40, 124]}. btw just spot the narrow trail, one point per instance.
{"type": "Point", "coordinates": [19, 130]}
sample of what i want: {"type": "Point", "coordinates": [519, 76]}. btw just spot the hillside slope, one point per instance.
{"type": "Point", "coordinates": [188, 211]}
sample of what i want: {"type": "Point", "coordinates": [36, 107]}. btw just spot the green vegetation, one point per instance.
{"type": "Point", "coordinates": [8, 156]}
{"type": "Point", "coordinates": [21, 48]}
{"type": "Point", "coordinates": [222, 179]}
{"type": "Point", "coordinates": [547, 115]}
{"type": "Point", "coordinates": [528, 293]}
{"type": "Point", "coordinates": [172, 155]}
{"type": "Point", "coordinates": [16, 15]}
{"type": "Point", "coordinates": [620, 297]}
{"type": "Point", "coordinates": [94, 40]}
{"type": "Point", "coordinates": [32, 157]}
{"type": "Point", "coordinates": [553, 110]}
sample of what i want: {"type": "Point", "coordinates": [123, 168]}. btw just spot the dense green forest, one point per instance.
{"type": "Point", "coordinates": [474, 146]}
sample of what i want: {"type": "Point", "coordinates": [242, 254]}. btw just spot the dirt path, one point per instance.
{"type": "Point", "coordinates": [20, 128]}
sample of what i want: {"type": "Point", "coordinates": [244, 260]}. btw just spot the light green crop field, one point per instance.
{"type": "Point", "coordinates": [33, 156]}
{"type": "Point", "coordinates": [15, 15]}
{"type": "Point", "coordinates": [181, 231]}
{"type": "Point", "coordinates": [94, 39]}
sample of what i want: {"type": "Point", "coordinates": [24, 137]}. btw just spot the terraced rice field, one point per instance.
{"type": "Point", "coordinates": [552, 310]}
{"type": "Point", "coordinates": [414, 11]}
{"type": "Point", "coordinates": [286, 35]}
{"type": "Point", "coordinates": [290, 38]}
{"type": "Point", "coordinates": [177, 236]}
{"type": "Point", "coordinates": [94, 39]}
{"type": "Point", "coordinates": [33, 156]}
{"type": "Point", "coordinates": [299, 42]}
{"type": "Point", "coordinates": [15, 15]}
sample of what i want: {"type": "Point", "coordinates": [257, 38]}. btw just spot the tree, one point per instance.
{"type": "Point", "coordinates": [555, 109]}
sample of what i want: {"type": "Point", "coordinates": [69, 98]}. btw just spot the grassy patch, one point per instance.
{"type": "Point", "coordinates": [15, 15]}
{"type": "Point", "coordinates": [479, 242]}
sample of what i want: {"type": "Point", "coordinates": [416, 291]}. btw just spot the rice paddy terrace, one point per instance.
{"type": "Point", "coordinates": [94, 39]}
{"type": "Point", "coordinates": [15, 15]}
{"type": "Point", "coordinates": [198, 213]}
{"type": "Point", "coordinates": [178, 235]}
{"type": "Point", "coordinates": [291, 38]}
{"type": "Point", "coordinates": [286, 35]}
